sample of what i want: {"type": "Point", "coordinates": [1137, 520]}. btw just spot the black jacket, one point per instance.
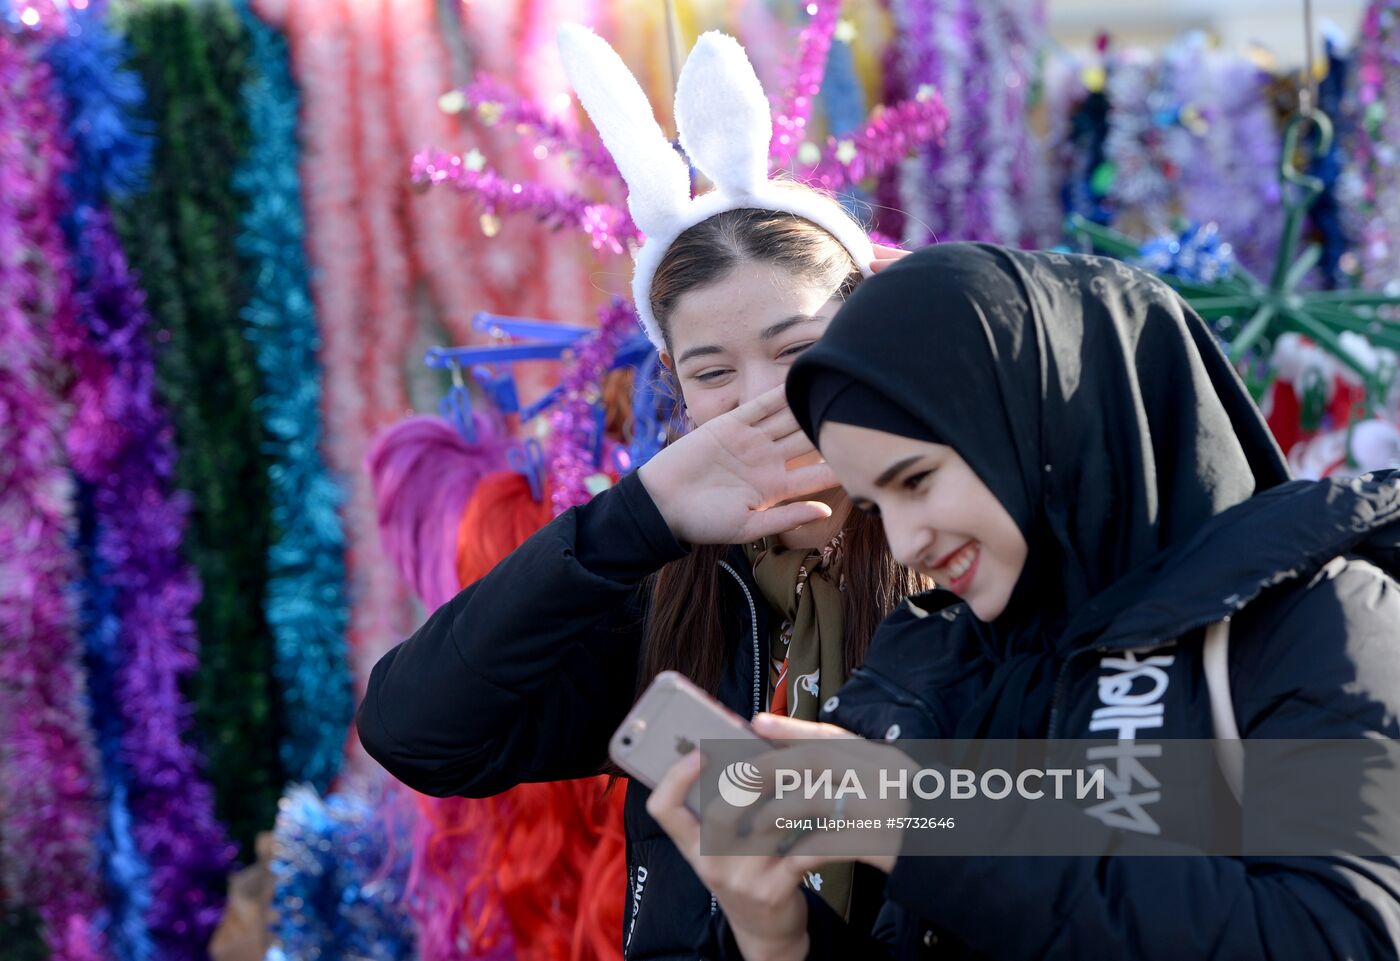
{"type": "Point", "coordinates": [524, 675]}
{"type": "Point", "coordinates": [1308, 573]}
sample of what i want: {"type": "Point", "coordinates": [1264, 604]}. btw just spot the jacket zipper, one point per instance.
{"type": "Point", "coordinates": [753, 626]}
{"type": "Point", "coordinates": [757, 677]}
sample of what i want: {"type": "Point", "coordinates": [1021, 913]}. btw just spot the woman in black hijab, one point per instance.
{"type": "Point", "coordinates": [1059, 442]}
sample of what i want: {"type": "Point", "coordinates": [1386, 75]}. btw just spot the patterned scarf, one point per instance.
{"type": "Point", "coordinates": [807, 653]}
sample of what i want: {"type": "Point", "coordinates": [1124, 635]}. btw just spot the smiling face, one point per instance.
{"type": "Point", "coordinates": [940, 519]}
{"type": "Point", "coordinates": [735, 339]}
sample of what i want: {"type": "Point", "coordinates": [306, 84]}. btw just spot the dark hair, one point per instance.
{"type": "Point", "coordinates": [684, 630]}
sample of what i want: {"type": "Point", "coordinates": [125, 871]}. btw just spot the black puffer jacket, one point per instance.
{"type": "Point", "coordinates": [1308, 572]}
{"type": "Point", "coordinates": [524, 675]}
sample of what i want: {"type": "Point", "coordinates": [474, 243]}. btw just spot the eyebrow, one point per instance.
{"type": "Point", "coordinates": [699, 352]}
{"type": "Point", "coordinates": [768, 333]}
{"type": "Point", "coordinates": [894, 469]}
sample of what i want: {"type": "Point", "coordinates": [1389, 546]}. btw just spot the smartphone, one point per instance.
{"type": "Point", "coordinates": [669, 721]}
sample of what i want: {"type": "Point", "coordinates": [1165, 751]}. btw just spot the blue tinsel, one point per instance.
{"type": "Point", "coordinates": [112, 150]}
{"type": "Point", "coordinates": [306, 603]}
{"type": "Point", "coordinates": [339, 882]}
{"type": "Point", "coordinates": [111, 155]}
{"type": "Point", "coordinates": [1197, 254]}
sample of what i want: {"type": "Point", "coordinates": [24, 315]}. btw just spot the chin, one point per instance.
{"type": "Point", "coordinates": [988, 610]}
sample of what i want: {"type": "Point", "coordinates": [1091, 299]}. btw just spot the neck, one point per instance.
{"type": "Point", "coordinates": [810, 536]}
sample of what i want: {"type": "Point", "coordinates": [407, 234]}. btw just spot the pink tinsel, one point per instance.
{"type": "Point", "coordinates": [794, 109]}
{"type": "Point", "coordinates": [494, 103]}
{"type": "Point", "coordinates": [574, 423]}
{"type": "Point", "coordinates": [606, 226]}
{"type": "Point", "coordinates": [886, 140]}
{"type": "Point", "coordinates": [49, 781]}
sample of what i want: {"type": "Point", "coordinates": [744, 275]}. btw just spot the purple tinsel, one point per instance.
{"type": "Point", "coordinates": [142, 524]}
{"type": "Point", "coordinates": [981, 182]}
{"type": "Point", "coordinates": [494, 102]}
{"type": "Point", "coordinates": [883, 142]}
{"type": "Point", "coordinates": [574, 424]}
{"type": "Point", "coordinates": [792, 111]}
{"type": "Point", "coordinates": [1371, 184]}
{"type": "Point", "coordinates": [607, 226]}
{"type": "Point", "coordinates": [49, 782]}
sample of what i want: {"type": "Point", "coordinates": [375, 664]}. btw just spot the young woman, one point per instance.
{"type": "Point", "coordinates": [1059, 441]}
{"type": "Point", "coordinates": [728, 557]}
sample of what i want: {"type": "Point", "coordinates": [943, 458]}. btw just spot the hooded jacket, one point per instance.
{"type": "Point", "coordinates": [1098, 409]}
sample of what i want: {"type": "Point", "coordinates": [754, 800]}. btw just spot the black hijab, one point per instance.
{"type": "Point", "coordinates": [1091, 400]}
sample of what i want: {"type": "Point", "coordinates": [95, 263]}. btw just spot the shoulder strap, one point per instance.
{"type": "Point", "coordinates": [1228, 749]}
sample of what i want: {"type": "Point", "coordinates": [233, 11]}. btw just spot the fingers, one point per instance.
{"type": "Point", "coordinates": [775, 727]}
{"type": "Point", "coordinates": [780, 424]}
{"type": "Point", "coordinates": [763, 406]}
{"type": "Point", "coordinates": [667, 804]}
{"type": "Point", "coordinates": [785, 517]}
{"type": "Point", "coordinates": [886, 252]}
{"type": "Point", "coordinates": [811, 479]}
{"type": "Point", "coordinates": [794, 446]}
{"type": "Point", "coordinates": [884, 256]}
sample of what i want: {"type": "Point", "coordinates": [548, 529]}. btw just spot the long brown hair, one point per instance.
{"type": "Point", "coordinates": [685, 630]}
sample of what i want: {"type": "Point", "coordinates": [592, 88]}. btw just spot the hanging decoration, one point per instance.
{"type": "Point", "coordinates": [306, 605]}
{"type": "Point", "coordinates": [339, 880]}
{"type": "Point", "coordinates": [51, 788]}
{"type": "Point", "coordinates": [181, 236]}
{"type": "Point", "coordinates": [1251, 314]}
{"type": "Point", "coordinates": [1371, 183]}
{"type": "Point", "coordinates": [842, 162]}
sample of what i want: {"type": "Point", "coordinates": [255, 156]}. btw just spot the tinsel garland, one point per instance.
{"type": "Point", "coordinates": [575, 425]}
{"type": "Point", "coordinates": [50, 783]}
{"type": "Point", "coordinates": [978, 183]}
{"type": "Point", "coordinates": [608, 227]}
{"type": "Point", "coordinates": [108, 157]}
{"type": "Point", "coordinates": [340, 879]}
{"type": "Point", "coordinates": [180, 235]}
{"type": "Point", "coordinates": [306, 606]}
{"type": "Point", "coordinates": [338, 250]}
{"type": "Point", "coordinates": [1371, 184]}
{"type": "Point", "coordinates": [792, 109]}
{"type": "Point", "coordinates": [493, 102]}
{"type": "Point", "coordinates": [125, 457]}
{"type": "Point", "coordinates": [1143, 185]}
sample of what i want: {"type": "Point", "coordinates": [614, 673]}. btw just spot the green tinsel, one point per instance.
{"type": "Point", "coordinates": [180, 235]}
{"type": "Point", "coordinates": [19, 933]}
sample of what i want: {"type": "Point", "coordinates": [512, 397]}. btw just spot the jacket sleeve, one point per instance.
{"type": "Point", "coordinates": [525, 674]}
{"type": "Point", "coordinates": [1292, 680]}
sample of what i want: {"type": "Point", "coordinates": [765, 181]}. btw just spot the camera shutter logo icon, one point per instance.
{"type": "Point", "coordinates": [740, 784]}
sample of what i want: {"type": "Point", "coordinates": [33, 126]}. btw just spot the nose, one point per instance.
{"type": "Point", "coordinates": [759, 379]}
{"type": "Point", "coordinates": [909, 541]}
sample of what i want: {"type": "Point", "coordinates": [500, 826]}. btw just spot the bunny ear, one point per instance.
{"type": "Point", "coordinates": [658, 181]}
{"type": "Point", "coordinates": [723, 116]}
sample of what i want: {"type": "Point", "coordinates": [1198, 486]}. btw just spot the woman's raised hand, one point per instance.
{"type": "Point", "coordinates": [731, 480]}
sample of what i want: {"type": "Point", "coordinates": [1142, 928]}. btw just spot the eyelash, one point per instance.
{"type": "Point", "coordinates": [913, 481]}
{"type": "Point", "coordinates": [710, 375]}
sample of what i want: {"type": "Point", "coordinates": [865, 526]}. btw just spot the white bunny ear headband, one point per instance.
{"type": "Point", "coordinates": [725, 127]}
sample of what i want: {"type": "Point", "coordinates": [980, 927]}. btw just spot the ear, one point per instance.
{"type": "Point", "coordinates": [666, 361]}
{"type": "Point", "coordinates": [658, 180]}
{"type": "Point", "coordinates": [723, 116]}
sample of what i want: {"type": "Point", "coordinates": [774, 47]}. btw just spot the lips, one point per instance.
{"type": "Point", "coordinates": [953, 568]}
